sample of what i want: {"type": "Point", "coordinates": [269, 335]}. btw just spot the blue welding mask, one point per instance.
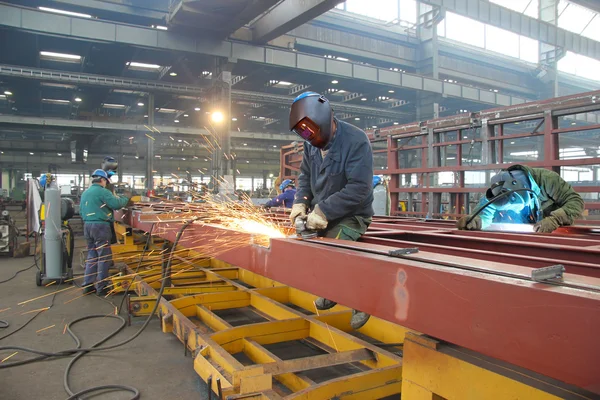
{"type": "Point", "coordinates": [311, 118]}
{"type": "Point", "coordinates": [514, 183]}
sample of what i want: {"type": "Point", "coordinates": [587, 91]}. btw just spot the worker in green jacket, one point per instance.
{"type": "Point", "coordinates": [520, 194]}
{"type": "Point", "coordinates": [96, 210]}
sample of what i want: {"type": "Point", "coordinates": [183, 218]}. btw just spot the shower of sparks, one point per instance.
{"type": "Point", "coordinates": [6, 358]}
{"type": "Point", "coordinates": [43, 329]}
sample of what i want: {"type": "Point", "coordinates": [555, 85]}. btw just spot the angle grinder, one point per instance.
{"type": "Point", "coordinates": [302, 231]}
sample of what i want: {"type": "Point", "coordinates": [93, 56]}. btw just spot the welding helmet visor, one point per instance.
{"type": "Point", "coordinates": [110, 164]}
{"type": "Point", "coordinates": [311, 118]}
{"type": "Point", "coordinates": [513, 182]}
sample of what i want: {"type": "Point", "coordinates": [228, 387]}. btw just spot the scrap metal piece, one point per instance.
{"type": "Point", "coordinates": [551, 272]}
{"type": "Point", "coordinates": [403, 252]}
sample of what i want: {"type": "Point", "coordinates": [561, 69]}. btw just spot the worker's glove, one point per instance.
{"type": "Point", "coordinates": [127, 193]}
{"type": "Point", "coordinates": [553, 221]}
{"type": "Point", "coordinates": [475, 225]}
{"type": "Point", "coordinates": [316, 220]}
{"type": "Point", "coordinates": [298, 210]}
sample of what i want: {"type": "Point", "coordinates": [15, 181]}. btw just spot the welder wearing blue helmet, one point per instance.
{"type": "Point", "coordinates": [96, 209]}
{"type": "Point", "coordinates": [524, 195]}
{"type": "Point", "coordinates": [286, 198]}
{"type": "Point", "coordinates": [336, 177]}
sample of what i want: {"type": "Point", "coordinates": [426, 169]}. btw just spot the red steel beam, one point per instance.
{"type": "Point", "coordinates": [548, 329]}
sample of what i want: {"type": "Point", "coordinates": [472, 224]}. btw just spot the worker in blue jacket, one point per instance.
{"type": "Point", "coordinates": [335, 186]}
{"type": "Point", "coordinates": [96, 210]}
{"type": "Point", "coordinates": [286, 198]}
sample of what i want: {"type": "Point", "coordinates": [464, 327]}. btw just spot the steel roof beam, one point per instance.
{"type": "Point", "coordinates": [514, 21]}
{"type": "Point", "coordinates": [288, 15]}
{"type": "Point", "coordinates": [105, 31]}
{"type": "Point", "coordinates": [111, 126]}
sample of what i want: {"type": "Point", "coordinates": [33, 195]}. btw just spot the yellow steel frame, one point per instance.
{"type": "Point", "coordinates": [391, 359]}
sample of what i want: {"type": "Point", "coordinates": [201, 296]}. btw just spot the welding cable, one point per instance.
{"type": "Point", "coordinates": [17, 273]}
{"type": "Point", "coordinates": [79, 351]}
{"type": "Point", "coordinates": [498, 197]}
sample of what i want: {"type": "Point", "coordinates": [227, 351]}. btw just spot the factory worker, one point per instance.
{"type": "Point", "coordinates": [520, 194]}
{"type": "Point", "coordinates": [96, 210]}
{"type": "Point", "coordinates": [286, 198]}
{"type": "Point", "coordinates": [335, 186]}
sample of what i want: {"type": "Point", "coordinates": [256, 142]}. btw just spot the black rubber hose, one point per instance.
{"type": "Point", "coordinates": [79, 351]}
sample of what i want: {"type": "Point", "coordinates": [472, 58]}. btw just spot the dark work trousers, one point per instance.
{"type": "Point", "coordinates": [348, 228]}
{"type": "Point", "coordinates": [99, 257]}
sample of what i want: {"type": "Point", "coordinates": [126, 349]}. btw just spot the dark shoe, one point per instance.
{"type": "Point", "coordinates": [102, 293]}
{"type": "Point", "coordinates": [89, 289]}
{"type": "Point", "coordinates": [323, 304]}
{"type": "Point", "coordinates": [359, 318]}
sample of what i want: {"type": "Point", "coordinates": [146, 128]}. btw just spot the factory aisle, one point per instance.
{"type": "Point", "coordinates": [153, 363]}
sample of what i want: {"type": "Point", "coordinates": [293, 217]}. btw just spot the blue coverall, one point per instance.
{"type": "Point", "coordinates": [286, 199]}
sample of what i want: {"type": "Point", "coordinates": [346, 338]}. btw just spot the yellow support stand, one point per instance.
{"type": "Point", "coordinates": [436, 371]}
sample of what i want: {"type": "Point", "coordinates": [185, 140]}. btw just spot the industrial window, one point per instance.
{"type": "Point", "coordinates": [578, 19]}
{"type": "Point", "coordinates": [386, 10]}
{"type": "Point", "coordinates": [474, 33]}
{"type": "Point", "coordinates": [501, 41]}
{"type": "Point", "coordinates": [579, 65]}
{"type": "Point", "coordinates": [465, 30]}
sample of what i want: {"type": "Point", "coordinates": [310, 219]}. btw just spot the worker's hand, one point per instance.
{"type": "Point", "coordinates": [475, 225]}
{"type": "Point", "coordinates": [298, 210]}
{"type": "Point", "coordinates": [128, 194]}
{"type": "Point", "coordinates": [316, 220]}
{"type": "Point", "coordinates": [553, 221]}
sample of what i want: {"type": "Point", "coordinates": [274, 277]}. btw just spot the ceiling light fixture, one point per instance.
{"type": "Point", "coordinates": [335, 82]}
{"type": "Point", "coordinates": [390, 91]}
{"type": "Point", "coordinates": [55, 101]}
{"type": "Point", "coordinates": [64, 12]}
{"type": "Point", "coordinates": [176, 121]}
{"type": "Point", "coordinates": [357, 119]}
{"type": "Point", "coordinates": [140, 104]}
{"type": "Point", "coordinates": [197, 109]}
{"type": "Point", "coordinates": [115, 106]}
{"type": "Point", "coordinates": [160, 27]}
{"type": "Point", "coordinates": [173, 73]}
{"type": "Point", "coordinates": [142, 66]}
{"type": "Point", "coordinates": [234, 119]}
{"type": "Point", "coordinates": [61, 57]}
{"type": "Point", "coordinates": [8, 93]}
{"type": "Point", "coordinates": [186, 115]}
{"type": "Point", "coordinates": [59, 154]}
{"type": "Point", "coordinates": [78, 99]}
{"type": "Point", "coordinates": [363, 99]}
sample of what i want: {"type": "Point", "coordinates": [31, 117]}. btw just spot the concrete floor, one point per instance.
{"type": "Point", "coordinates": [154, 363]}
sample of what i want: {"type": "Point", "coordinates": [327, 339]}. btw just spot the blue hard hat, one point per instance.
{"type": "Point", "coordinates": [99, 173]}
{"type": "Point", "coordinates": [376, 180]}
{"type": "Point", "coordinates": [286, 183]}
{"type": "Point", "coordinates": [110, 173]}
{"type": "Point", "coordinates": [43, 180]}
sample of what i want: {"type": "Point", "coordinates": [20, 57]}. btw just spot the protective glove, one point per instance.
{"type": "Point", "coordinates": [298, 210]}
{"type": "Point", "coordinates": [553, 221]}
{"type": "Point", "coordinates": [475, 225]}
{"type": "Point", "coordinates": [316, 220]}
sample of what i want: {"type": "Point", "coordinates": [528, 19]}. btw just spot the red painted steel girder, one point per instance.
{"type": "Point", "coordinates": [548, 329]}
